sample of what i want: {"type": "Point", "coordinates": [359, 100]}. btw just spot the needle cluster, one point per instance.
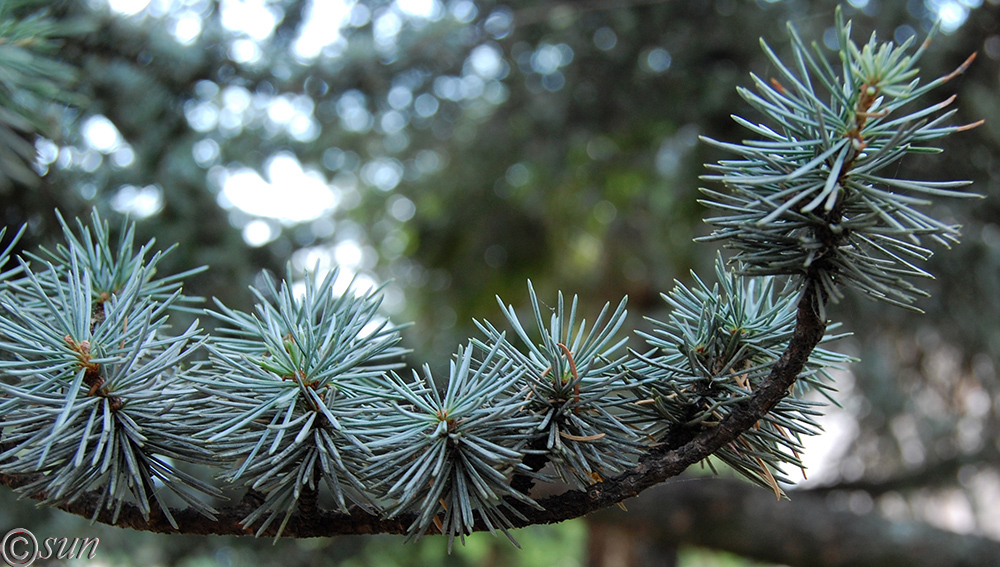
{"type": "Point", "coordinates": [718, 345]}
{"type": "Point", "coordinates": [93, 393]}
{"type": "Point", "coordinates": [810, 197]}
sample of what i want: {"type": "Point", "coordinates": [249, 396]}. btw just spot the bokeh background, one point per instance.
{"type": "Point", "coordinates": [453, 149]}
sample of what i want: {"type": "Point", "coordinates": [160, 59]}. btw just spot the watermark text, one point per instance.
{"type": "Point", "coordinates": [19, 548]}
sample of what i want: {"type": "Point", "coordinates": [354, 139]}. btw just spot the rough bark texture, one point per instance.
{"type": "Point", "coordinates": [803, 532]}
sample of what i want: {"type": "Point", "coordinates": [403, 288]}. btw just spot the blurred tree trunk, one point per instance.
{"type": "Point", "coordinates": [611, 544]}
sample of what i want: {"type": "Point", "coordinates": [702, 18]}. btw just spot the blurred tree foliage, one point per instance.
{"type": "Point", "coordinates": [459, 147]}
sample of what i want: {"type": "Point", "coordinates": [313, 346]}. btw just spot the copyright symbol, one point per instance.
{"type": "Point", "coordinates": [19, 539]}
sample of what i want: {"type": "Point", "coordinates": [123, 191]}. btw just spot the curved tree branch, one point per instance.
{"type": "Point", "coordinates": [659, 465]}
